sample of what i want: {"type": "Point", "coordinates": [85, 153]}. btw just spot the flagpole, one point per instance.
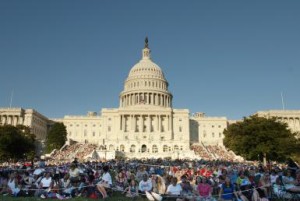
{"type": "Point", "coordinates": [11, 98]}
{"type": "Point", "coordinates": [282, 102]}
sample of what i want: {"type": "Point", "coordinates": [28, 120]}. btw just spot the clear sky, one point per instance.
{"type": "Point", "coordinates": [224, 58]}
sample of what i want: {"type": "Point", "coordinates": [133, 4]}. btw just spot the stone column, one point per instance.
{"type": "Point", "coordinates": [149, 123]}
{"type": "Point", "coordinates": [3, 120]}
{"type": "Point", "coordinates": [159, 123]}
{"type": "Point", "coordinates": [16, 120]}
{"type": "Point", "coordinates": [152, 99]}
{"type": "Point", "coordinates": [9, 119]}
{"type": "Point", "coordinates": [134, 123]}
{"type": "Point", "coordinates": [122, 122]}
{"type": "Point", "coordinates": [12, 120]}
{"type": "Point", "coordinates": [131, 123]}
{"type": "Point", "coordinates": [171, 119]}
{"type": "Point", "coordinates": [169, 123]}
{"type": "Point", "coordinates": [156, 123]}
{"type": "Point", "coordinates": [141, 124]}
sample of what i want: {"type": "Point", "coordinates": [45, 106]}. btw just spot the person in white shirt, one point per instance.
{"type": "Point", "coordinates": [273, 177]}
{"type": "Point", "coordinates": [74, 174]}
{"type": "Point", "coordinates": [145, 184]}
{"type": "Point", "coordinates": [12, 184]}
{"type": "Point", "coordinates": [105, 182]}
{"type": "Point", "coordinates": [174, 188]}
{"type": "Point", "coordinates": [45, 184]}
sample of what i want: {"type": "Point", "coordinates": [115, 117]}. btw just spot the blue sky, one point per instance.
{"type": "Point", "coordinates": [224, 58]}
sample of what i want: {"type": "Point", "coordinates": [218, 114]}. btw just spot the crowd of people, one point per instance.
{"type": "Point", "coordinates": [82, 151]}
{"type": "Point", "coordinates": [202, 152]}
{"type": "Point", "coordinates": [220, 152]}
{"type": "Point", "coordinates": [213, 152]}
{"type": "Point", "coordinates": [76, 150]}
{"type": "Point", "coordinates": [153, 178]}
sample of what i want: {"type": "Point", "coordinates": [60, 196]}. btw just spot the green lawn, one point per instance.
{"type": "Point", "coordinates": [116, 197]}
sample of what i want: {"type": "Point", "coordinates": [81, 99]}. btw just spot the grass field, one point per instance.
{"type": "Point", "coordinates": [116, 197]}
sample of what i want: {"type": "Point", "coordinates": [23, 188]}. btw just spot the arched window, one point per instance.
{"type": "Point", "coordinates": [111, 147]}
{"type": "Point", "coordinates": [165, 148]}
{"type": "Point", "coordinates": [122, 147]}
{"type": "Point", "coordinates": [154, 149]}
{"type": "Point", "coordinates": [144, 148]}
{"type": "Point", "coordinates": [132, 148]}
{"type": "Point", "coordinates": [176, 148]}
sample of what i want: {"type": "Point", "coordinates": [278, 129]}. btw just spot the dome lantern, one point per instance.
{"type": "Point", "coordinates": [146, 50]}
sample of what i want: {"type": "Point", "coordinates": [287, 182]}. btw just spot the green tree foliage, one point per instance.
{"type": "Point", "coordinates": [16, 143]}
{"type": "Point", "coordinates": [56, 137]}
{"type": "Point", "coordinates": [256, 136]}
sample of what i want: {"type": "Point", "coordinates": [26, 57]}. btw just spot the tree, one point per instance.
{"type": "Point", "coordinates": [56, 137]}
{"type": "Point", "coordinates": [16, 142]}
{"type": "Point", "coordinates": [256, 137]}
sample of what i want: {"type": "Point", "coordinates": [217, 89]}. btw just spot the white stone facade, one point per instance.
{"type": "Point", "coordinates": [207, 130]}
{"type": "Point", "coordinates": [144, 125]}
{"type": "Point", "coordinates": [27, 117]}
{"type": "Point", "coordinates": [291, 117]}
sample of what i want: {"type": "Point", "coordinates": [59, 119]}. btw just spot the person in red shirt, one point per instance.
{"type": "Point", "coordinates": [204, 189]}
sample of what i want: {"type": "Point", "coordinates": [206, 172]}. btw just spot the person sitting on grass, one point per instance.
{"type": "Point", "coordinates": [132, 190]}
{"type": "Point", "coordinates": [105, 182]}
{"type": "Point", "coordinates": [174, 189]}
{"type": "Point", "coordinates": [145, 184]}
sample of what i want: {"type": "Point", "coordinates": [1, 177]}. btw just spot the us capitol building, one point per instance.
{"type": "Point", "coordinates": [145, 124]}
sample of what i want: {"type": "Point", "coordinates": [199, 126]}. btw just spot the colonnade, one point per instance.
{"type": "Point", "coordinates": [158, 99]}
{"type": "Point", "coordinates": [146, 123]}
{"type": "Point", "coordinates": [293, 121]}
{"type": "Point", "coordinates": [11, 119]}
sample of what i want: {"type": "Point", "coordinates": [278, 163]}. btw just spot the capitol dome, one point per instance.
{"type": "Point", "coordinates": [146, 84]}
{"type": "Point", "coordinates": [146, 68]}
